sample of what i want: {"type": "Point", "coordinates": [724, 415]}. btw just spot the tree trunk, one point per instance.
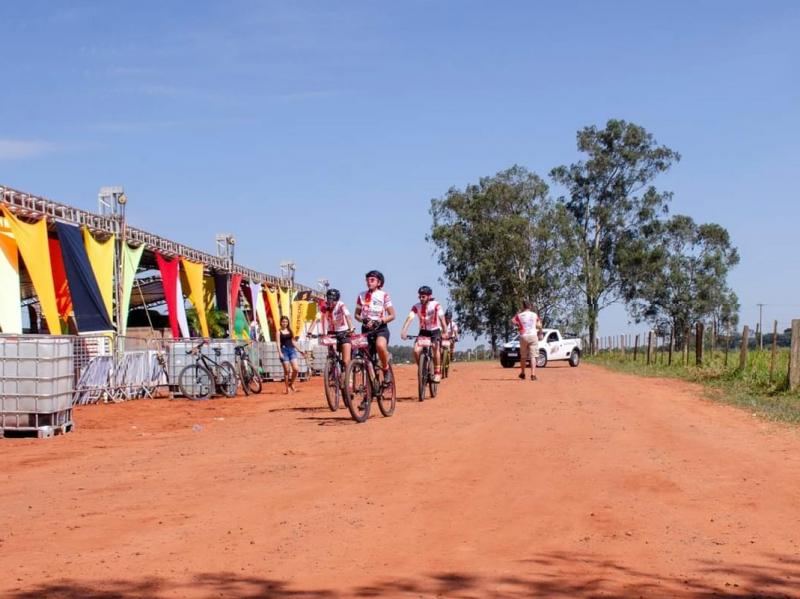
{"type": "Point", "coordinates": [591, 313]}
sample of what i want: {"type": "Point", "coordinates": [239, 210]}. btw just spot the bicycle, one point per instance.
{"type": "Point", "coordinates": [446, 358]}
{"type": "Point", "coordinates": [362, 384]}
{"type": "Point", "coordinates": [207, 376]}
{"type": "Point", "coordinates": [251, 380]}
{"type": "Point", "coordinates": [333, 373]}
{"type": "Point", "coordinates": [425, 367]}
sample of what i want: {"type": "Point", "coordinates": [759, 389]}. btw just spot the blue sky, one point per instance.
{"type": "Point", "coordinates": [319, 131]}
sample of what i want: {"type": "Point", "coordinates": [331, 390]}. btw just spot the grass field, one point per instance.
{"type": "Point", "coordinates": [750, 388]}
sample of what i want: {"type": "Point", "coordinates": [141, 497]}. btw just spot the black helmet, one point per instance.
{"type": "Point", "coordinates": [424, 290]}
{"type": "Point", "coordinates": [375, 273]}
{"type": "Point", "coordinates": [332, 295]}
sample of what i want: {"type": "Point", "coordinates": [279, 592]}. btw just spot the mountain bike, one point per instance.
{"type": "Point", "coordinates": [446, 357]}
{"type": "Point", "coordinates": [363, 383]}
{"type": "Point", "coordinates": [251, 380]}
{"type": "Point", "coordinates": [425, 367]}
{"type": "Point", "coordinates": [333, 373]}
{"type": "Point", "coordinates": [207, 376]}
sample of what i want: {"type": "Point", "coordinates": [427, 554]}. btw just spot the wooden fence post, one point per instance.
{"type": "Point", "coordinates": [622, 347]}
{"type": "Point", "coordinates": [635, 348]}
{"type": "Point", "coordinates": [649, 347]}
{"type": "Point", "coordinates": [743, 348]}
{"type": "Point", "coordinates": [794, 359]}
{"type": "Point", "coordinates": [727, 344]}
{"type": "Point", "coordinates": [698, 343]}
{"type": "Point", "coordinates": [671, 345]}
{"type": "Point", "coordinates": [774, 349]}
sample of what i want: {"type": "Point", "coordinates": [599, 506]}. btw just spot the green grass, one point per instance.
{"type": "Point", "coordinates": [750, 388]}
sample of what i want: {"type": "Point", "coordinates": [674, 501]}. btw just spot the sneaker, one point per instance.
{"type": "Point", "coordinates": [533, 377]}
{"type": "Point", "coordinates": [522, 376]}
{"type": "Point", "coordinates": [387, 377]}
{"type": "Point", "coordinates": [363, 405]}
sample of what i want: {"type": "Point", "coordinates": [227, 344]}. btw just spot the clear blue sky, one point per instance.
{"type": "Point", "coordinates": [319, 131]}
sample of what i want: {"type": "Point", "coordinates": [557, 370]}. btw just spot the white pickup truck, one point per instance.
{"type": "Point", "coordinates": [552, 347]}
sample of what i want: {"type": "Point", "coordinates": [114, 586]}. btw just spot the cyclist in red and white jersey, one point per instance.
{"type": "Point", "coordinates": [529, 324]}
{"type": "Point", "coordinates": [374, 310]}
{"type": "Point", "coordinates": [452, 330]}
{"type": "Point", "coordinates": [334, 319]}
{"type": "Point", "coordinates": [431, 324]}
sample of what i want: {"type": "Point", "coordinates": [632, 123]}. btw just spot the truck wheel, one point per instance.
{"type": "Point", "coordinates": [507, 363]}
{"type": "Point", "coordinates": [575, 358]}
{"type": "Point", "coordinates": [541, 359]}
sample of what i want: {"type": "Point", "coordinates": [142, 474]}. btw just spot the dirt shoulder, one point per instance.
{"type": "Point", "coordinates": [584, 483]}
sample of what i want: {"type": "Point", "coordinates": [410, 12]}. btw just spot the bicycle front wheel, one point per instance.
{"type": "Point", "coordinates": [434, 387]}
{"type": "Point", "coordinates": [331, 378]}
{"type": "Point", "coordinates": [242, 368]}
{"type": "Point", "coordinates": [195, 382]}
{"type": "Point", "coordinates": [358, 389]}
{"type": "Point", "coordinates": [251, 381]}
{"type": "Point", "coordinates": [422, 373]}
{"type": "Point", "coordinates": [226, 379]}
{"type": "Point", "coordinates": [387, 397]}
{"type": "Point", "coordinates": [446, 364]}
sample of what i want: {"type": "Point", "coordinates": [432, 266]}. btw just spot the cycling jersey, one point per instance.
{"type": "Point", "coordinates": [334, 321]}
{"type": "Point", "coordinates": [428, 315]}
{"type": "Point", "coordinates": [373, 304]}
{"type": "Point", "coordinates": [526, 321]}
{"type": "Point", "coordinates": [452, 329]}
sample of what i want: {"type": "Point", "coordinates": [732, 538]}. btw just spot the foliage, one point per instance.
{"type": "Point", "coordinates": [683, 278]}
{"type": "Point", "coordinates": [612, 206]}
{"type": "Point", "coordinates": [500, 241]}
{"type": "Point", "coordinates": [217, 321]}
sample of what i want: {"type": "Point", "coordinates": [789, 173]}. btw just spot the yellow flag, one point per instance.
{"type": "Point", "coordinates": [101, 257]}
{"type": "Point", "coordinates": [32, 243]}
{"type": "Point", "coordinates": [194, 278]}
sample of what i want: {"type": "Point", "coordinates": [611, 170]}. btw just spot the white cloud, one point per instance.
{"type": "Point", "coordinates": [15, 149]}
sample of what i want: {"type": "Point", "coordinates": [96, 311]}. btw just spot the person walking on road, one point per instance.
{"type": "Point", "coordinates": [529, 324]}
{"type": "Point", "coordinates": [289, 354]}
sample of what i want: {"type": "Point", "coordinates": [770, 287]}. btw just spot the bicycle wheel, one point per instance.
{"type": "Point", "coordinates": [434, 387]}
{"type": "Point", "coordinates": [250, 380]}
{"type": "Point", "coordinates": [387, 397]}
{"type": "Point", "coordinates": [358, 389]}
{"type": "Point", "coordinates": [241, 367]}
{"type": "Point", "coordinates": [227, 382]}
{"type": "Point", "coordinates": [331, 377]}
{"type": "Point", "coordinates": [195, 381]}
{"type": "Point", "coordinates": [422, 374]}
{"type": "Point", "coordinates": [446, 364]}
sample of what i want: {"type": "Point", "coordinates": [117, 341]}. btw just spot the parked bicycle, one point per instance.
{"type": "Point", "coordinates": [207, 376]}
{"type": "Point", "coordinates": [333, 372]}
{"type": "Point", "coordinates": [425, 368]}
{"type": "Point", "coordinates": [364, 380]}
{"type": "Point", "coordinates": [248, 374]}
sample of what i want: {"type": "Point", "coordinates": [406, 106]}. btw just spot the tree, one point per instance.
{"type": "Point", "coordinates": [611, 202]}
{"type": "Point", "coordinates": [684, 279]}
{"type": "Point", "coordinates": [217, 321]}
{"type": "Point", "coordinates": [500, 241]}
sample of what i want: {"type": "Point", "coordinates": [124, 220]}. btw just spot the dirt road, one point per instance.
{"type": "Point", "coordinates": [584, 483]}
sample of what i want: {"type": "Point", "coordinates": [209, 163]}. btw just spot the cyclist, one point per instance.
{"type": "Point", "coordinates": [431, 324]}
{"type": "Point", "coordinates": [529, 324]}
{"type": "Point", "coordinates": [374, 310]}
{"type": "Point", "coordinates": [451, 330]}
{"type": "Point", "coordinates": [334, 319]}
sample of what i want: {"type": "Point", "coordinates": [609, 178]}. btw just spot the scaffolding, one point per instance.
{"type": "Point", "coordinates": [36, 207]}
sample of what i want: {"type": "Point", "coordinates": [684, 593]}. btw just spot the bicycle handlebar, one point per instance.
{"type": "Point", "coordinates": [196, 349]}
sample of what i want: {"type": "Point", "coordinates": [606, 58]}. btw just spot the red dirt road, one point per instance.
{"type": "Point", "coordinates": [584, 483]}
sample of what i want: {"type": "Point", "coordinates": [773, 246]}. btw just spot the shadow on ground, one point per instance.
{"type": "Point", "coordinates": [550, 575]}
